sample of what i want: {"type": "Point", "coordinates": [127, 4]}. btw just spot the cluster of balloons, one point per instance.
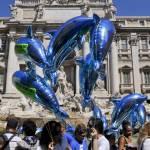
{"type": "Point", "coordinates": [130, 108]}
{"type": "Point", "coordinates": [64, 41]}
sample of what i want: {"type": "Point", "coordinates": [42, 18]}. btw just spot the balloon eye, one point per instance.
{"type": "Point", "coordinates": [21, 48]}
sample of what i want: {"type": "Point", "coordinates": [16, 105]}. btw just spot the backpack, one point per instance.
{"type": "Point", "coordinates": [6, 140]}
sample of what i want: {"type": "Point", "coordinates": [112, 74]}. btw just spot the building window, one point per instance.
{"type": "Point", "coordinates": [126, 77]}
{"type": "Point", "coordinates": [1, 79]}
{"type": "Point", "coordinates": [2, 44]}
{"type": "Point", "coordinates": [124, 44]}
{"type": "Point", "coordinates": [141, 22]}
{"type": "Point", "coordinates": [144, 43]}
{"type": "Point", "coordinates": [146, 77]}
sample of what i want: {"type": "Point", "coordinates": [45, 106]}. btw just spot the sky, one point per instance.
{"type": "Point", "coordinates": [124, 7]}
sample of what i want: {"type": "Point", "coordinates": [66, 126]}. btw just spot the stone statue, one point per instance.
{"type": "Point", "coordinates": [39, 11]}
{"type": "Point", "coordinates": [65, 89]}
{"type": "Point", "coordinates": [14, 11]}
{"type": "Point", "coordinates": [99, 84]}
{"type": "Point", "coordinates": [62, 80]}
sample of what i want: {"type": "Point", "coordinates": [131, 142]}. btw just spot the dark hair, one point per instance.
{"type": "Point", "coordinates": [12, 123]}
{"type": "Point", "coordinates": [29, 127]}
{"type": "Point", "coordinates": [125, 123]}
{"type": "Point", "coordinates": [51, 131]}
{"type": "Point", "coordinates": [80, 128]}
{"type": "Point", "coordinates": [91, 122]}
{"type": "Point", "coordinates": [99, 126]}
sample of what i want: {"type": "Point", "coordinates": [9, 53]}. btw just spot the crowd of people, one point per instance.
{"type": "Point", "coordinates": [55, 136]}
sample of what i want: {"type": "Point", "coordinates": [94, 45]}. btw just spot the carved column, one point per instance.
{"type": "Point", "coordinates": [114, 74]}
{"type": "Point", "coordinates": [135, 62]}
{"type": "Point", "coordinates": [12, 65]}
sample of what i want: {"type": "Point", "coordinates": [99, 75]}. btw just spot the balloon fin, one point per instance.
{"type": "Point", "coordinates": [51, 32]}
{"type": "Point", "coordinates": [96, 18]}
{"type": "Point", "coordinates": [29, 32]}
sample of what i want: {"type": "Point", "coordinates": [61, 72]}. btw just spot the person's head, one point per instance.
{"type": "Point", "coordinates": [91, 122]}
{"type": "Point", "coordinates": [111, 138]}
{"type": "Point", "coordinates": [127, 129]}
{"type": "Point", "coordinates": [52, 132]}
{"type": "Point", "coordinates": [99, 126]}
{"type": "Point", "coordinates": [12, 124]}
{"type": "Point", "coordinates": [80, 132]}
{"type": "Point", "coordinates": [29, 127]}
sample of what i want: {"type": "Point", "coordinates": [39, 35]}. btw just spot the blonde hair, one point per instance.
{"type": "Point", "coordinates": [144, 132]}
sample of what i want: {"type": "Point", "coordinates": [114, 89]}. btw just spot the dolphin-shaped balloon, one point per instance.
{"type": "Point", "coordinates": [91, 67]}
{"type": "Point", "coordinates": [101, 39]}
{"type": "Point", "coordinates": [31, 49]}
{"type": "Point", "coordinates": [66, 36]}
{"type": "Point", "coordinates": [127, 105]}
{"type": "Point", "coordinates": [137, 116]}
{"type": "Point", "coordinates": [88, 77]}
{"type": "Point", "coordinates": [63, 42]}
{"type": "Point", "coordinates": [38, 90]}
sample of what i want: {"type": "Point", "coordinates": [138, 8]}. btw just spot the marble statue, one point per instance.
{"type": "Point", "coordinates": [99, 84]}
{"type": "Point", "coordinates": [65, 89]}
{"type": "Point", "coordinates": [14, 11]}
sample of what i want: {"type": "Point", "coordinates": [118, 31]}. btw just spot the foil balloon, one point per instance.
{"type": "Point", "coordinates": [133, 118]}
{"type": "Point", "coordinates": [63, 42]}
{"type": "Point", "coordinates": [97, 113]}
{"type": "Point", "coordinates": [88, 77]}
{"type": "Point", "coordinates": [101, 38]}
{"type": "Point", "coordinates": [116, 103]}
{"type": "Point", "coordinates": [141, 113]}
{"type": "Point", "coordinates": [38, 90]}
{"type": "Point", "coordinates": [31, 49]}
{"type": "Point", "coordinates": [127, 105]}
{"type": "Point", "coordinates": [105, 122]}
{"type": "Point", "coordinates": [66, 38]}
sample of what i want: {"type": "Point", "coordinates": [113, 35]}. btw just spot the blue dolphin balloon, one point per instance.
{"type": "Point", "coordinates": [31, 49]}
{"type": "Point", "coordinates": [88, 77]}
{"type": "Point", "coordinates": [91, 67]}
{"type": "Point", "coordinates": [101, 39]}
{"type": "Point", "coordinates": [127, 105]}
{"type": "Point", "coordinates": [137, 116]}
{"type": "Point", "coordinates": [141, 113]}
{"type": "Point", "coordinates": [97, 113]}
{"type": "Point", "coordinates": [67, 37]}
{"type": "Point", "coordinates": [38, 90]}
{"type": "Point", "coordinates": [64, 40]}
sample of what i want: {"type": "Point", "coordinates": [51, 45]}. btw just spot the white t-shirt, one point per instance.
{"type": "Point", "coordinates": [81, 147]}
{"type": "Point", "coordinates": [103, 143]}
{"type": "Point", "coordinates": [146, 144]}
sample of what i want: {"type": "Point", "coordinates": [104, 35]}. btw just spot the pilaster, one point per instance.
{"type": "Point", "coordinates": [135, 62]}
{"type": "Point", "coordinates": [12, 64]}
{"type": "Point", "coordinates": [114, 74]}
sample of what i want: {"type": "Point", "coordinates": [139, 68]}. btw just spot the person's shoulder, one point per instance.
{"type": "Point", "coordinates": [104, 139]}
{"type": "Point", "coordinates": [17, 138]}
{"type": "Point", "coordinates": [146, 143]}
